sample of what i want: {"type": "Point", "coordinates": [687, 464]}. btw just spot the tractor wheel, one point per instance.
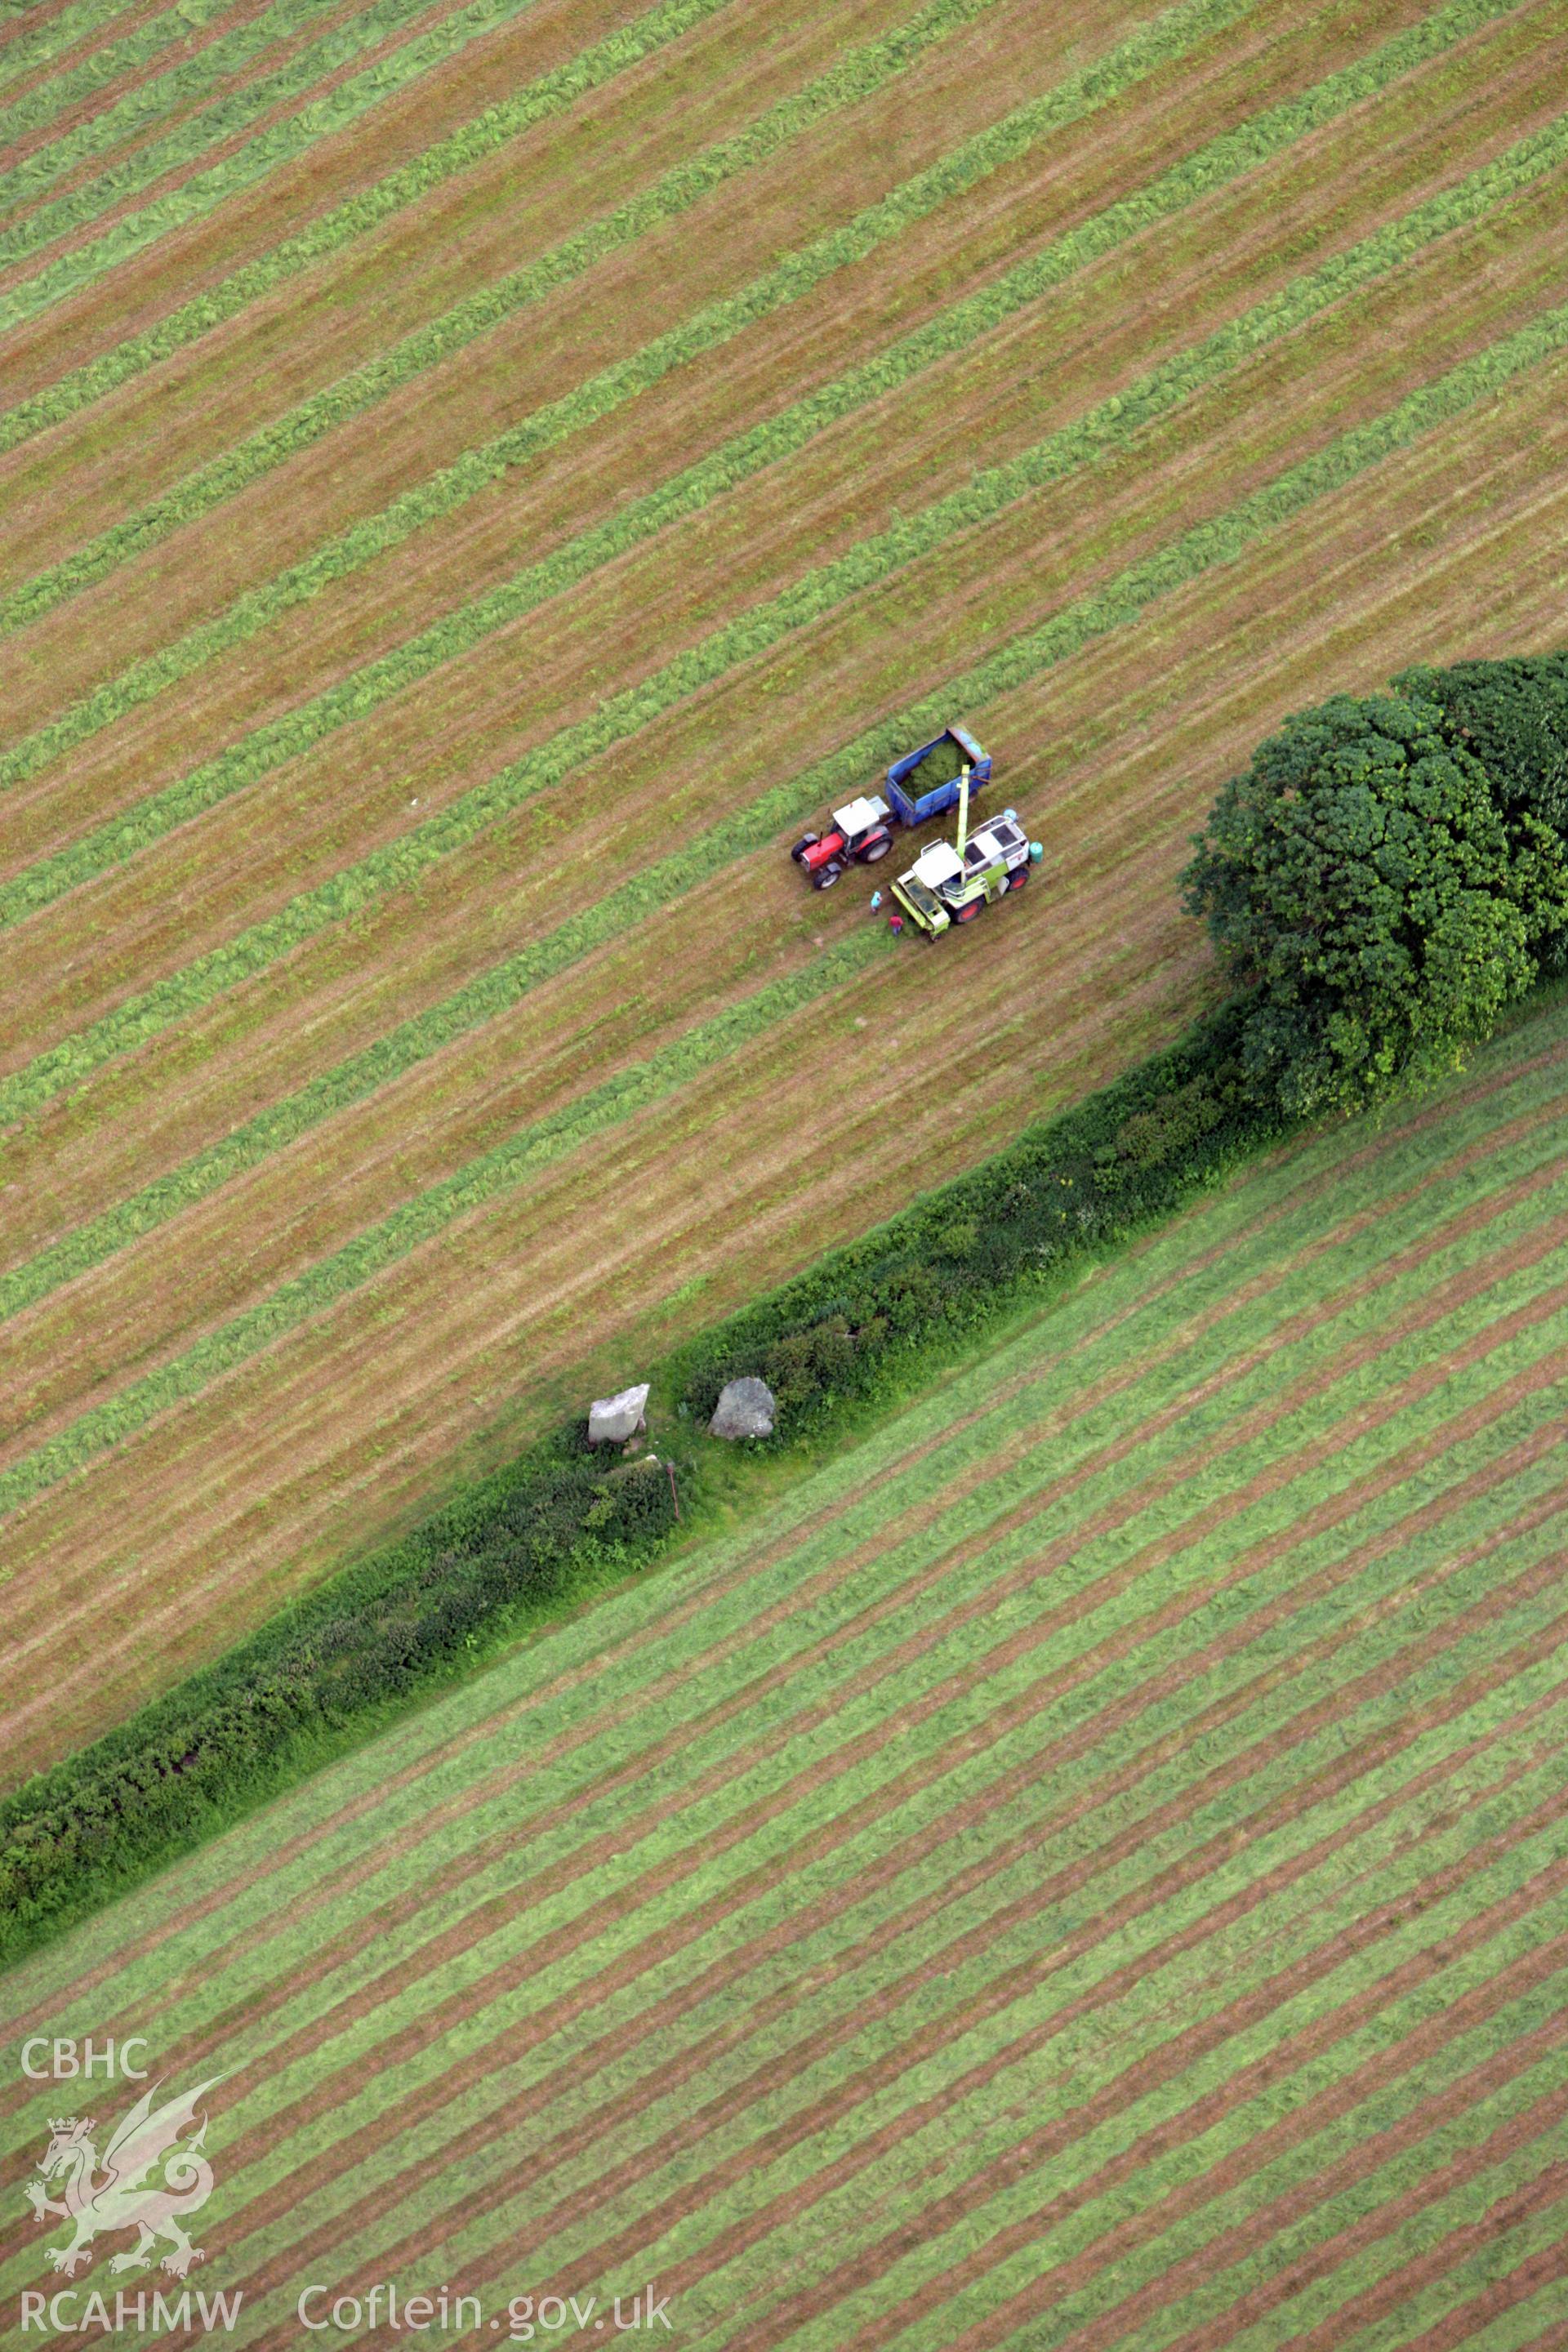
{"type": "Point", "coordinates": [826, 875]}
{"type": "Point", "coordinates": [1017, 881]}
{"type": "Point", "coordinates": [875, 849]}
{"type": "Point", "coordinates": [969, 914]}
{"type": "Point", "coordinates": [807, 841]}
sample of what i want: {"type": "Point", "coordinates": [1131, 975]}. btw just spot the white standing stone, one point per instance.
{"type": "Point", "coordinates": [612, 1419]}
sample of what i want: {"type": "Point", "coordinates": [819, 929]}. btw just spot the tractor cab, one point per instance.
{"type": "Point", "coordinates": [861, 832]}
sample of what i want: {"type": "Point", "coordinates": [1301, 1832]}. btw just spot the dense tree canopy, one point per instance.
{"type": "Point", "coordinates": [1379, 905]}
{"type": "Point", "coordinates": [1513, 715]}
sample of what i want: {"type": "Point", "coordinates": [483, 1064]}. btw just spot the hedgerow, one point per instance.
{"type": "Point", "coordinates": [1109, 426]}
{"type": "Point", "coordinates": [150, 100]}
{"type": "Point", "coordinates": [529, 1542]}
{"type": "Point", "coordinates": [856, 74]}
{"type": "Point", "coordinates": [375, 1247]}
{"type": "Point", "coordinates": [539, 1535]}
{"type": "Point", "coordinates": [1222, 158]}
{"type": "Point", "coordinates": [1079, 1184]}
{"type": "Point", "coordinates": [549, 94]}
{"type": "Point", "coordinates": [332, 111]}
{"type": "Point", "coordinates": [1119, 602]}
{"type": "Point", "coordinates": [514, 1548]}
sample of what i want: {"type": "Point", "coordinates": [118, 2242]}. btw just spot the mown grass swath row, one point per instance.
{"type": "Point", "coordinates": [332, 111]}
{"type": "Point", "coordinates": [1109, 426]}
{"type": "Point", "coordinates": [1401, 1164]}
{"type": "Point", "coordinates": [1096, 2052]}
{"type": "Point", "coordinates": [1220, 160]}
{"type": "Point", "coordinates": [1291, 1769]}
{"type": "Point", "coordinates": [1259, 1228]}
{"type": "Point", "coordinates": [150, 100]}
{"type": "Point", "coordinates": [1290, 1917]}
{"type": "Point", "coordinates": [465, 819]}
{"type": "Point", "coordinates": [858, 74]}
{"type": "Point", "coordinates": [548, 94]}
{"type": "Point", "coordinates": [495, 1172]}
{"type": "Point", "coordinates": [51, 37]}
{"type": "Point", "coordinates": [40, 105]}
{"type": "Point", "coordinates": [1167, 1783]}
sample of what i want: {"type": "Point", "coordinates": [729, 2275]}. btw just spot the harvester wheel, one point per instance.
{"type": "Point", "coordinates": [807, 841]}
{"type": "Point", "coordinates": [1017, 881]}
{"type": "Point", "coordinates": [826, 875]}
{"type": "Point", "coordinates": [875, 849]}
{"type": "Point", "coordinates": [969, 914]}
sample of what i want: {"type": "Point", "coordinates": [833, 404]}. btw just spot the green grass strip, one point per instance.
{"type": "Point", "coordinates": [1179, 30]}
{"type": "Point", "coordinates": [42, 104]}
{"type": "Point", "coordinates": [1222, 159]}
{"type": "Point", "coordinates": [1113, 606]}
{"type": "Point", "coordinates": [853, 75]}
{"type": "Point", "coordinates": [55, 35]}
{"type": "Point", "coordinates": [415, 1039]}
{"type": "Point", "coordinates": [549, 94]}
{"type": "Point", "coordinates": [496, 1171]}
{"type": "Point", "coordinates": [482, 1180]}
{"type": "Point", "coordinates": [145, 104]}
{"type": "Point", "coordinates": [324, 115]}
{"type": "Point", "coordinates": [1111, 425]}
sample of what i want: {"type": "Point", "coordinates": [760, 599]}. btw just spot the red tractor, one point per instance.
{"type": "Point", "coordinates": [858, 835]}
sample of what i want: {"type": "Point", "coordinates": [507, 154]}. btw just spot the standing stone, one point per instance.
{"type": "Point", "coordinates": [745, 1409]}
{"type": "Point", "coordinates": [612, 1419]}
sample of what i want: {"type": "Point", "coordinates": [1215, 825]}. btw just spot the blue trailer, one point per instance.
{"type": "Point", "coordinates": [911, 805]}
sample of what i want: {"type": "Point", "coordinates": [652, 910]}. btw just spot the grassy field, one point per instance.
{"type": "Point", "coordinates": [476, 481]}
{"type": "Point", "coordinates": [1086, 1867]}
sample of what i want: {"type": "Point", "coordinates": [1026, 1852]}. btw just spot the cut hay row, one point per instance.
{"type": "Point", "coordinates": [470, 813]}
{"type": "Point", "coordinates": [413, 1041]}
{"type": "Point", "coordinates": [336, 107]}
{"type": "Point", "coordinates": [146, 103]}
{"type": "Point", "coordinates": [409, 1225]}
{"type": "Point", "coordinates": [1216, 163]}
{"type": "Point", "coordinates": [547, 1140]}
{"type": "Point", "coordinates": [856, 74]}
{"type": "Point", "coordinates": [1379, 1179]}
{"type": "Point", "coordinates": [114, 58]}
{"type": "Point", "coordinates": [1226, 1252]}
{"type": "Point", "coordinates": [51, 33]}
{"type": "Point", "coordinates": [829, 2007]}
{"type": "Point", "coordinates": [547, 95]}
{"type": "Point", "coordinates": [270, 1431]}
{"type": "Point", "coordinates": [1110, 424]}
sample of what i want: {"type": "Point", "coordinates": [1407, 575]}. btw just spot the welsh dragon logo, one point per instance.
{"type": "Point", "coordinates": [130, 2192]}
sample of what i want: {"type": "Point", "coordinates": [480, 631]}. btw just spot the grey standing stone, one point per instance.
{"type": "Point", "coordinates": [745, 1409]}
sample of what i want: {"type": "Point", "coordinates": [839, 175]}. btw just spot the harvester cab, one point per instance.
{"type": "Point", "coordinates": [955, 882]}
